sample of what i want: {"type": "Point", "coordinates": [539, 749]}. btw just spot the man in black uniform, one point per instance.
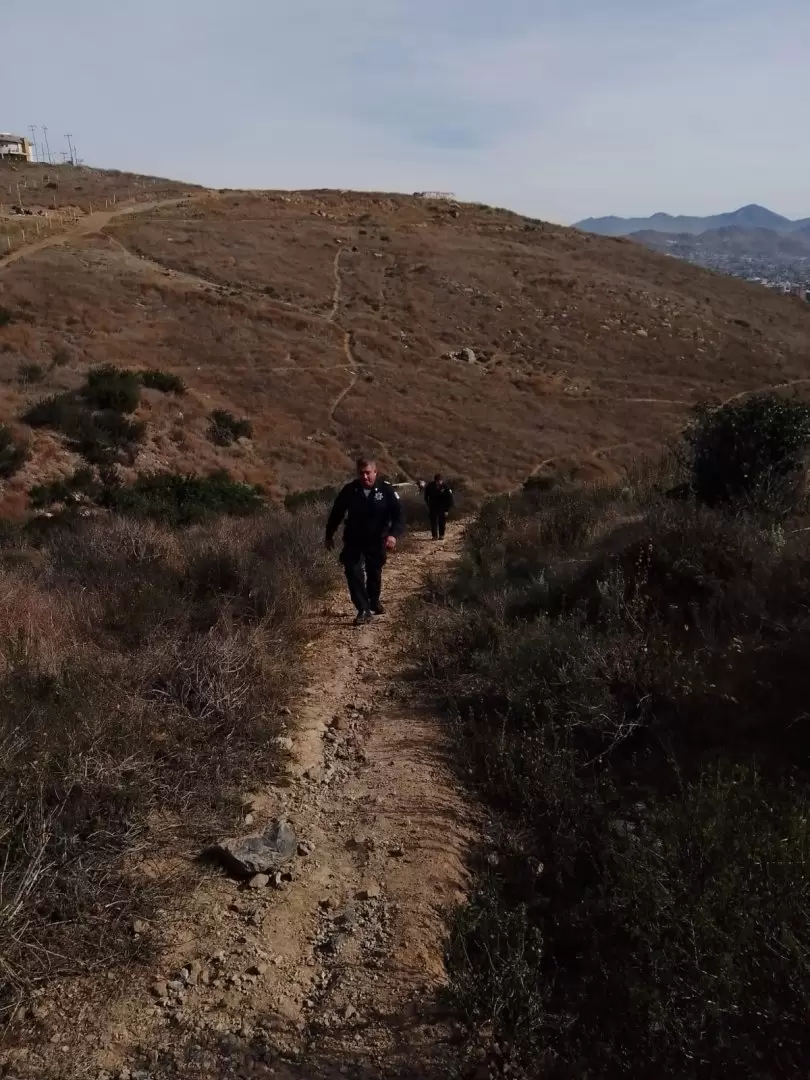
{"type": "Point", "coordinates": [374, 523]}
{"type": "Point", "coordinates": [439, 499]}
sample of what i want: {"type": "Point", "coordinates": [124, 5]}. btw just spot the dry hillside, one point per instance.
{"type": "Point", "coordinates": [330, 320]}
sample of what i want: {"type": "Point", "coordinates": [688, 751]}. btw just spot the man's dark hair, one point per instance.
{"type": "Point", "coordinates": [363, 462]}
{"type": "Point", "coordinates": [437, 477]}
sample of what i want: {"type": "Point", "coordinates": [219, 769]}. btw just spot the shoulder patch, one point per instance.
{"type": "Point", "coordinates": [396, 494]}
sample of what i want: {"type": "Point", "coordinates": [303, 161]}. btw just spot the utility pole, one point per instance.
{"type": "Point", "coordinates": [33, 130]}
{"type": "Point", "coordinates": [47, 147]}
{"type": "Point", "coordinates": [72, 153]}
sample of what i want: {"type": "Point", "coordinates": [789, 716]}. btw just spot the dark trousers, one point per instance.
{"type": "Point", "coordinates": [363, 566]}
{"type": "Point", "coordinates": [438, 520]}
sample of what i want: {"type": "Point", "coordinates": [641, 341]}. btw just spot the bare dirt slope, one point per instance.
{"type": "Point", "coordinates": [339, 321]}
{"type": "Point", "coordinates": [335, 972]}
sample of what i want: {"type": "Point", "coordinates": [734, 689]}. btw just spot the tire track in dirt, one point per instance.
{"type": "Point", "coordinates": [338, 973]}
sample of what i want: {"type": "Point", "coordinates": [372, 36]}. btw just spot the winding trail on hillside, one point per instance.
{"type": "Point", "coordinates": [339, 970]}
{"type": "Point", "coordinates": [335, 311]}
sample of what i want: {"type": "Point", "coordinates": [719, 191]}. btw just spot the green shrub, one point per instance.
{"type": "Point", "coordinates": [164, 381]}
{"type": "Point", "coordinates": [747, 448]}
{"type": "Point", "coordinates": [112, 389]}
{"type": "Point", "coordinates": [184, 500]}
{"type": "Point", "coordinates": [224, 428]}
{"type": "Point", "coordinates": [13, 454]}
{"type": "Point", "coordinates": [68, 489]}
{"type": "Point", "coordinates": [101, 436]}
{"type": "Point", "coordinates": [59, 411]}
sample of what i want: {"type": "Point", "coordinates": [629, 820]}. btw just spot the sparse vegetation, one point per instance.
{"type": "Point", "coordinates": [624, 676]}
{"type": "Point", "coordinates": [224, 428]}
{"type": "Point", "coordinates": [6, 316]}
{"type": "Point", "coordinates": [13, 454]}
{"type": "Point", "coordinates": [141, 671]}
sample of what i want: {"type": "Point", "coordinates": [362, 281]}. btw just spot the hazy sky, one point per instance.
{"type": "Point", "coordinates": [558, 108]}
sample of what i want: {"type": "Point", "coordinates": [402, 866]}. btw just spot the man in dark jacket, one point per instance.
{"type": "Point", "coordinates": [374, 523]}
{"type": "Point", "coordinates": [439, 499]}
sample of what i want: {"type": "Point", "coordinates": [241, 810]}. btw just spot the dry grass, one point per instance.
{"type": "Point", "coordinates": [142, 671]}
{"type": "Point", "coordinates": [590, 350]}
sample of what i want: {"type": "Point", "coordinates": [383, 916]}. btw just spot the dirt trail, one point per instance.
{"type": "Point", "coordinates": [333, 314]}
{"type": "Point", "coordinates": [336, 972]}
{"type": "Point", "coordinates": [91, 224]}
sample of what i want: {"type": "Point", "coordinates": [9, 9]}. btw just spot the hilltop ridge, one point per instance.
{"type": "Point", "coordinates": [435, 333]}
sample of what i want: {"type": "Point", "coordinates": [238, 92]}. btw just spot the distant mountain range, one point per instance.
{"type": "Point", "coordinates": [730, 241]}
{"type": "Point", "coordinates": [747, 217]}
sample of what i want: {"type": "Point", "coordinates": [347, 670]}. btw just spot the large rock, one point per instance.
{"type": "Point", "coordinates": [260, 853]}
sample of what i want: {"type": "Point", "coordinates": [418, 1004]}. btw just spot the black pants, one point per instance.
{"type": "Point", "coordinates": [438, 520]}
{"type": "Point", "coordinates": [363, 566]}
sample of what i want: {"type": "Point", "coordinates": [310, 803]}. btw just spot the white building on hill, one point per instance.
{"type": "Point", "coordinates": [15, 148]}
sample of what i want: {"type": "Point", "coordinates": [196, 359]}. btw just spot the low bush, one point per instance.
{"type": "Point", "coordinates": [94, 419]}
{"type": "Point", "coordinates": [183, 500]}
{"type": "Point", "coordinates": [142, 672]}
{"type": "Point", "coordinates": [164, 381]}
{"type": "Point", "coordinates": [112, 390]}
{"type": "Point", "coordinates": [624, 681]}
{"type": "Point", "coordinates": [753, 448]}
{"type": "Point", "coordinates": [224, 428]}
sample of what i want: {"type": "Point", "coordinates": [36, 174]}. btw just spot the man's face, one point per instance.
{"type": "Point", "coordinates": [367, 474]}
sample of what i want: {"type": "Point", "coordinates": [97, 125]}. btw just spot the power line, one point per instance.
{"type": "Point", "coordinates": [72, 151]}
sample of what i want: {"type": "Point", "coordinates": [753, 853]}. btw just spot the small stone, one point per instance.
{"type": "Point", "coordinates": [396, 852]}
{"type": "Point", "coordinates": [305, 848]}
{"type": "Point", "coordinates": [371, 892]}
{"type": "Point", "coordinates": [160, 990]}
{"type": "Point", "coordinates": [184, 976]}
{"type": "Point", "coordinates": [262, 853]}
{"type": "Point", "coordinates": [259, 881]}
{"type": "Point", "coordinates": [176, 986]}
{"type": "Point", "coordinates": [249, 819]}
{"type": "Point", "coordinates": [349, 1012]}
{"type": "Point", "coordinates": [139, 927]}
{"type": "Point", "coordinates": [284, 742]}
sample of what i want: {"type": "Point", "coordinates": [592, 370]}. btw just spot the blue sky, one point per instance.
{"type": "Point", "coordinates": [557, 108]}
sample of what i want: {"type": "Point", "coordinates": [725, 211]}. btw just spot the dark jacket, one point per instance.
{"type": "Point", "coordinates": [369, 517]}
{"type": "Point", "coordinates": [439, 498]}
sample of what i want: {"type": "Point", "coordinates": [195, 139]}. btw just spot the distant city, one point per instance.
{"type": "Point", "coordinates": [751, 243]}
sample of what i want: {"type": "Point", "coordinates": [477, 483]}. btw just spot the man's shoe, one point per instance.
{"type": "Point", "coordinates": [362, 618]}
{"type": "Point", "coordinates": [378, 609]}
